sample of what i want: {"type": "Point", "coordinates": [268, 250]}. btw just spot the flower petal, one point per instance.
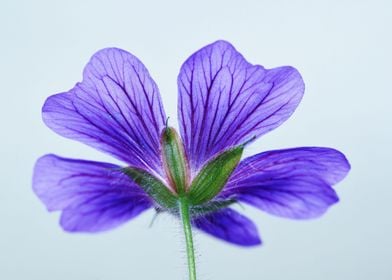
{"type": "Point", "coordinates": [93, 196]}
{"type": "Point", "coordinates": [116, 109]}
{"type": "Point", "coordinates": [230, 226]}
{"type": "Point", "coordinates": [224, 100]}
{"type": "Point", "coordinates": [293, 183]}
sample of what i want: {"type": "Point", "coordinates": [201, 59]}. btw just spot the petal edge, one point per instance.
{"type": "Point", "coordinates": [116, 109]}
{"type": "Point", "coordinates": [93, 196]}
{"type": "Point", "coordinates": [230, 226]}
{"type": "Point", "coordinates": [224, 100]}
{"type": "Point", "coordinates": [293, 183]}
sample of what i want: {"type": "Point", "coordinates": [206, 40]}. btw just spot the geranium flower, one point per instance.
{"type": "Point", "coordinates": [224, 104]}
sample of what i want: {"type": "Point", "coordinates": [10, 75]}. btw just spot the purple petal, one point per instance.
{"type": "Point", "coordinates": [116, 109]}
{"type": "Point", "coordinates": [224, 100]}
{"type": "Point", "coordinates": [93, 196]}
{"type": "Point", "coordinates": [293, 183]}
{"type": "Point", "coordinates": [230, 226]}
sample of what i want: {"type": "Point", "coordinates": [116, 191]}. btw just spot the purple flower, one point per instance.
{"type": "Point", "coordinates": [224, 103]}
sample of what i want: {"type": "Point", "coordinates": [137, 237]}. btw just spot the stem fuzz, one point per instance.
{"type": "Point", "coordinates": [186, 222]}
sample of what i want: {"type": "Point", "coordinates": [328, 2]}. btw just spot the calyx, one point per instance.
{"type": "Point", "coordinates": [200, 192]}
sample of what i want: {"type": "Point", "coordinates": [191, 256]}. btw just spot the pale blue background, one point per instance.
{"type": "Point", "coordinates": [343, 50]}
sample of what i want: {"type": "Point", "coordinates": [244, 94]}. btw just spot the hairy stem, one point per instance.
{"type": "Point", "coordinates": [186, 222]}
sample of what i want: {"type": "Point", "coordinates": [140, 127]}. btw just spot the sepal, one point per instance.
{"type": "Point", "coordinates": [214, 175]}
{"type": "Point", "coordinates": [154, 187]}
{"type": "Point", "coordinates": [174, 160]}
{"type": "Point", "coordinates": [210, 207]}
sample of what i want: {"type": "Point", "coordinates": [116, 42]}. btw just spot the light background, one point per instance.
{"type": "Point", "coordinates": [343, 50]}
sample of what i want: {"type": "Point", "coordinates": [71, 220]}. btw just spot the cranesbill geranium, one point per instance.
{"type": "Point", "coordinates": [224, 103]}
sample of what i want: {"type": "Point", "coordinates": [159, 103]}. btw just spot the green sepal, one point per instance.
{"type": "Point", "coordinates": [214, 175]}
{"type": "Point", "coordinates": [174, 160]}
{"type": "Point", "coordinates": [152, 186]}
{"type": "Point", "coordinates": [210, 207]}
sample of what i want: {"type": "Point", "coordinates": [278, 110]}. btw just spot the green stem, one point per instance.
{"type": "Point", "coordinates": [186, 222]}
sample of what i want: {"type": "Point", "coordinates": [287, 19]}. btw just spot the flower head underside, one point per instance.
{"type": "Point", "coordinates": [224, 103]}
